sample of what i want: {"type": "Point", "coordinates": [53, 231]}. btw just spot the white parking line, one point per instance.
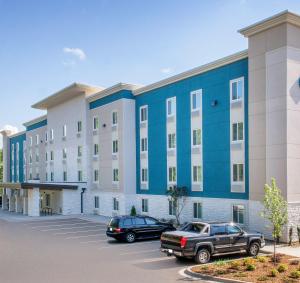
{"type": "Point", "coordinates": [75, 232]}
{"type": "Point", "coordinates": [53, 222]}
{"type": "Point", "coordinates": [140, 252]}
{"type": "Point", "coordinates": [71, 228]}
{"type": "Point", "coordinates": [154, 259]}
{"type": "Point", "coordinates": [126, 245]}
{"type": "Point", "coordinates": [58, 225]}
{"type": "Point", "coordinates": [85, 236]}
{"type": "Point", "coordinates": [95, 241]}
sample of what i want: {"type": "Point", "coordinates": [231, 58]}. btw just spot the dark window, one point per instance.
{"type": "Point", "coordinates": [139, 221]}
{"type": "Point", "coordinates": [218, 230]}
{"type": "Point", "coordinates": [151, 221]}
{"type": "Point", "coordinates": [127, 222]}
{"type": "Point", "coordinates": [193, 227]}
{"type": "Point", "coordinates": [114, 222]}
{"type": "Point", "coordinates": [233, 229]}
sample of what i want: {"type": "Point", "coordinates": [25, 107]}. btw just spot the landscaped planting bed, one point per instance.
{"type": "Point", "coordinates": [258, 269]}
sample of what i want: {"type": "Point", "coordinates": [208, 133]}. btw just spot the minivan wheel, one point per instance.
{"type": "Point", "coordinates": [202, 256]}
{"type": "Point", "coordinates": [130, 237]}
{"type": "Point", "coordinates": [253, 249]}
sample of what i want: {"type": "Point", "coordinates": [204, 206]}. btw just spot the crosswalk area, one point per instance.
{"type": "Point", "coordinates": [91, 234]}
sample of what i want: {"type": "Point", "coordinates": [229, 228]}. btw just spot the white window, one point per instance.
{"type": "Point", "coordinates": [144, 175]}
{"type": "Point", "coordinates": [46, 136]}
{"type": "Point", "coordinates": [171, 106]}
{"type": "Point", "coordinates": [237, 89]}
{"type": "Point", "coordinates": [143, 114]}
{"type": "Point", "coordinates": [95, 123]}
{"type": "Point", "coordinates": [96, 202]}
{"type": "Point", "coordinates": [172, 175]}
{"type": "Point", "coordinates": [238, 214]}
{"type": "Point", "coordinates": [144, 144]}
{"type": "Point", "coordinates": [197, 174]}
{"type": "Point", "coordinates": [115, 146]}
{"type": "Point", "coordinates": [52, 134]}
{"type": "Point", "coordinates": [51, 155]}
{"type": "Point", "coordinates": [237, 131]}
{"type": "Point", "coordinates": [64, 131]}
{"type": "Point", "coordinates": [79, 126]}
{"type": "Point", "coordinates": [115, 175]}
{"type": "Point", "coordinates": [171, 141]}
{"type": "Point", "coordinates": [172, 207]}
{"type": "Point", "coordinates": [96, 175]}
{"type": "Point", "coordinates": [114, 118]}
{"type": "Point", "coordinates": [196, 137]}
{"type": "Point", "coordinates": [96, 149]}
{"type": "Point", "coordinates": [64, 153]}
{"type": "Point", "coordinates": [195, 100]}
{"type": "Point", "coordinates": [197, 210]}
{"type": "Point", "coordinates": [79, 151]}
{"type": "Point", "coordinates": [30, 141]}
{"type": "Point", "coordinates": [65, 177]}
{"type": "Point", "coordinates": [37, 156]}
{"type": "Point", "coordinates": [145, 207]}
{"type": "Point", "coordinates": [115, 204]}
{"type": "Point", "coordinates": [238, 172]}
{"type": "Point", "coordinates": [79, 175]}
{"type": "Point", "coordinates": [52, 176]}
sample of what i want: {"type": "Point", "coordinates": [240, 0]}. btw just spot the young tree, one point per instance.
{"type": "Point", "coordinates": [275, 211]}
{"type": "Point", "coordinates": [177, 196]}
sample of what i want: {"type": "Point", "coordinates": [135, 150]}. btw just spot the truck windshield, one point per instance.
{"type": "Point", "coordinates": [193, 227]}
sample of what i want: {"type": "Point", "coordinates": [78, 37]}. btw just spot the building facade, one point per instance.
{"type": "Point", "coordinates": [222, 130]}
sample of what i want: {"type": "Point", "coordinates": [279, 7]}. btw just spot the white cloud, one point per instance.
{"type": "Point", "coordinates": [77, 52]}
{"type": "Point", "coordinates": [10, 128]}
{"type": "Point", "coordinates": [166, 70]}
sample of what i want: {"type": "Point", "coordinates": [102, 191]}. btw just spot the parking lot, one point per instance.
{"type": "Point", "coordinates": [77, 250]}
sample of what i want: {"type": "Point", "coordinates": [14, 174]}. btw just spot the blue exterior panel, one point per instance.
{"type": "Point", "coordinates": [13, 141]}
{"type": "Point", "coordinates": [110, 98]}
{"type": "Point", "coordinates": [215, 129]}
{"type": "Point", "coordinates": [37, 125]}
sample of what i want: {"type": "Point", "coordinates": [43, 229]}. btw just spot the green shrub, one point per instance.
{"type": "Point", "coordinates": [250, 267]}
{"type": "Point", "coordinates": [133, 211]}
{"type": "Point", "coordinates": [234, 265]}
{"type": "Point", "coordinates": [248, 261]}
{"type": "Point", "coordinates": [261, 259]}
{"type": "Point", "coordinates": [295, 274]}
{"type": "Point", "coordinates": [262, 278]}
{"type": "Point", "coordinates": [220, 262]}
{"type": "Point", "coordinates": [221, 272]}
{"type": "Point", "coordinates": [274, 272]}
{"type": "Point", "coordinates": [282, 268]}
{"type": "Point", "coordinates": [240, 275]}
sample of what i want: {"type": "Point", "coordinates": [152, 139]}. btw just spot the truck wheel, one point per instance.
{"type": "Point", "coordinates": [253, 249]}
{"type": "Point", "coordinates": [130, 237]}
{"type": "Point", "coordinates": [202, 256]}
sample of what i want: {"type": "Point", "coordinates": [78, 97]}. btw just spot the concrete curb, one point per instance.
{"type": "Point", "coordinates": [197, 275]}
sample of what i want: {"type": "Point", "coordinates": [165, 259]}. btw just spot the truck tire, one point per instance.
{"type": "Point", "coordinates": [202, 256]}
{"type": "Point", "coordinates": [253, 249]}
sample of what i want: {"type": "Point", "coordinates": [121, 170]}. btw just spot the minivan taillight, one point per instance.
{"type": "Point", "coordinates": [118, 230]}
{"type": "Point", "coordinates": [183, 241]}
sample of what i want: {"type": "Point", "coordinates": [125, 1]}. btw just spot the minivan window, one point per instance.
{"type": "Point", "coordinates": [127, 222]}
{"type": "Point", "coordinates": [218, 230]}
{"type": "Point", "coordinates": [114, 222]}
{"type": "Point", "coordinates": [139, 221]}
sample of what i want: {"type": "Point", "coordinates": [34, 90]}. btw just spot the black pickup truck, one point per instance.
{"type": "Point", "coordinates": [201, 240]}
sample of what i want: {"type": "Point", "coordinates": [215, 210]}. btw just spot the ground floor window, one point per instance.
{"type": "Point", "coordinates": [197, 210]}
{"type": "Point", "coordinates": [115, 204]}
{"type": "Point", "coordinates": [172, 207]}
{"type": "Point", "coordinates": [65, 176]}
{"type": "Point", "coordinates": [96, 202]}
{"type": "Point", "coordinates": [48, 200]}
{"type": "Point", "coordinates": [52, 176]}
{"type": "Point", "coordinates": [145, 205]}
{"type": "Point", "coordinates": [79, 176]}
{"type": "Point", "coordinates": [238, 214]}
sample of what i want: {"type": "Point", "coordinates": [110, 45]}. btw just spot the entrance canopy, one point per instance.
{"type": "Point", "coordinates": [43, 186]}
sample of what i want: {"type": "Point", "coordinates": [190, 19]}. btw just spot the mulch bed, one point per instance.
{"type": "Point", "coordinates": [258, 269]}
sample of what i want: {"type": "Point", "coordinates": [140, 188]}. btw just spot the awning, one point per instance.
{"type": "Point", "coordinates": [43, 186]}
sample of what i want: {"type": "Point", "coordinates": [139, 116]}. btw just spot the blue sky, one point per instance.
{"type": "Point", "coordinates": [46, 45]}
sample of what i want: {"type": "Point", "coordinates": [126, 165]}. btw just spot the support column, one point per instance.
{"type": "Point", "coordinates": [25, 205]}
{"type": "Point", "coordinates": [11, 202]}
{"type": "Point", "coordinates": [4, 201]}
{"type": "Point", "coordinates": [34, 202]}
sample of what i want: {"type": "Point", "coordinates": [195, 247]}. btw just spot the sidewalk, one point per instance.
{"type": "Point", "coordinates": [284, 249]}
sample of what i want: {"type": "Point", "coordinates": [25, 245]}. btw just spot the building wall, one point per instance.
{"type": "Point", "coordinates": [215, 86]}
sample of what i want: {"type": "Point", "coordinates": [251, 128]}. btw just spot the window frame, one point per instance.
{"type": "Point", "coordinates": [195, 131]}
{"type": "Point", "coordinates": [237, 80]}
{"type": "Point", "coordinates": [114, 118]}
{"type": "Point", "coordinates": [238, 181]}
{"type": "Point", "coordinates": [115, 146]}
{"type": "Point", "coordinates": [96, 176]}
{"type": "Point", "coordinates": [96, 123]}
{"type": "Point", "coordinates": [96, 202]}
{"type": "Point", "coordinates": [198, 204]}
{"type": "Point", "coordinates": [143, 108]}
{"type": "Point", "coordinates": [143, 147]}
{"type": "Point", "coordinates": [96, 149]}
{"type": "Point", "coordinates": [143, 181]}
{"type": "Point", "coordinates": [115, 204]}
{"type": "Point", "coordinates": [199, 178]}
{"type": "Point", "coordinates": [196, 92]}
{"type": "Point", "coordinates": [145, 204]}
{"type": "Point", "coordinates": [172, 100]}
{"type": "Point", "coordinates": [171, 140]}
{"type": "Point", "coordinates": [64, 134]}
{"type": "Point", "coordinates": [171, 208]}
{"type": "Point", "coordinates": [79, 175]}
{"type": "Point", "coordinates": [172, 182]}
{"type": "Point", "coordinates": [79, 126]}
{"type": "Point", "coordinates": [244, 213]}
{"type": "Point", "coordinates": [113, 177]}
{"type": "Point", "coordinates": [238, 140]}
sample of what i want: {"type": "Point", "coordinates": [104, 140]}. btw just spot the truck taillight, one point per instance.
{"type": "Point", "coordinates": [183, 241]}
